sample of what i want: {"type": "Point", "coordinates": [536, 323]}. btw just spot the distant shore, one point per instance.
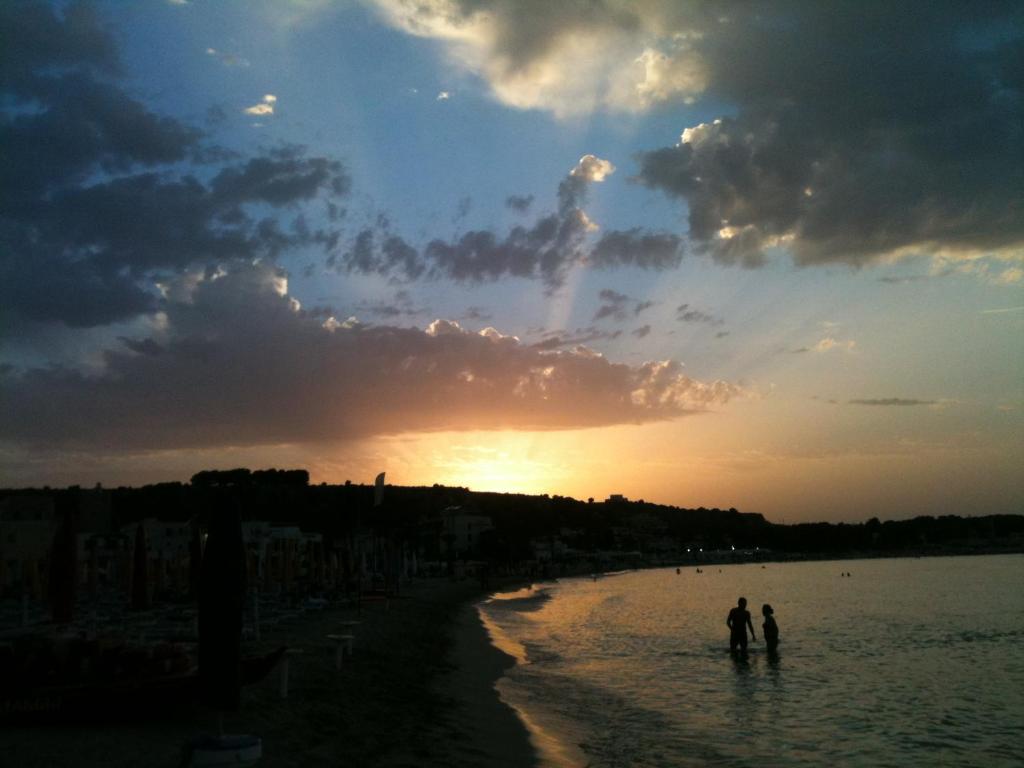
{"type": "Point", "coordinates": [419, 690]}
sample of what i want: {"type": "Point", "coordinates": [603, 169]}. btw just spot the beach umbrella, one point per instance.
{"type": "Point", "coordinates": [286, 572]}
{"type": "Point", "coordinates": [332, 571]}
{"type": "Point", "coordinates": [195, 558]}
{"type": "Point", "coordinates": [63, 571]}
{"type": "Point", "coordinates": [159, 580]}
{"type": "Point", "coordinates": [94, 566]}
{"type": "Point", "coordinates": [140, 587]}
{"type": "Point", "coordinates": [221, 605]}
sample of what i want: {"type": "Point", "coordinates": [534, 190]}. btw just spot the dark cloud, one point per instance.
{"type": "Point", "coordinates": [848, 130]}
{"type": "Point", "coordinates": [519, 203]}
{"type": "Point", "coordinates": [619, 306]}
{"type": "Point", "coordinates": [36, 39]}
{"type": "Point", "coordinates": [860, 129]}
{"type": "Point", "coordinates": [401, 305]}
{"type": "Point", "coordinates": [477, 314]}
{"type": "Point", "coordinates": [141, 346]}
{"type": "Point", "coordinates": [101, 196]}
{"type": "Point", "coordinates": [892, 401]}
{"type": "Point", "coordinates": [377, 251]}
{"type": "Point", "coordinates": [642, 331]}
{"type": "Point", "coordinates": [63, 116]}
{"type": "Point", "coordinates": [239, 363]}
{"type": "Point", "coordinates": [564, 339]}
{"type": "Point", "coordinates": [637, 248]}
{"type": "Point", "coordinates": [613, 304]}
{"type": "Point", "coordinates": [545, 251]}
{"type": "Point", "coordinates": [687, 314]}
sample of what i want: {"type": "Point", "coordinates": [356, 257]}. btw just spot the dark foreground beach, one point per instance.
{"type": "Point", "coordinates": [419, 691]}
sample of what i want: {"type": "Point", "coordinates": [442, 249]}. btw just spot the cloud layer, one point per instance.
{"type": "Point", "coordinates": [102, 197]}
{"type": "Point", "coordinates": [238, 362]}
{"type": "Point", "coordinates": [547, 250]}
{"type": "Point", "coordinates": [849, 131]}
{"type": "Point", "coordinates": [622, 55]}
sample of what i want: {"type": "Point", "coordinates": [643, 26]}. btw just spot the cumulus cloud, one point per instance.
{"type": "Point", "coordinates": [239, 363]}
{"type": "Point", "coordinates": [857, 133]}
{"type": "Point", "coordinates": [622, 55]}
{"type": "Point", "coordinates": [264, 107]}
{"type": "Point", "coordinates": [846, 131]}
{"type": "Point", "coordinates": [101, 196]}
{"type": "Point", "coordinates": [546, 250]}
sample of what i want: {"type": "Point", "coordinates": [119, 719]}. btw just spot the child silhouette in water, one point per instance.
{"type": "Point", "coordinates": [771, 629]}
{"type": "Point", "coordinates": [738, 621]}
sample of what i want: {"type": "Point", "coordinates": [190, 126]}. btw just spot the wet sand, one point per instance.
{"type": "Point", "coordinates": [487, 732]}
{"type": "Point", "coordinates": [419, 691]}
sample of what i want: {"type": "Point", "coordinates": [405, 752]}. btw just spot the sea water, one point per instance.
{"type": "Point", "coordinates": [904, 662]}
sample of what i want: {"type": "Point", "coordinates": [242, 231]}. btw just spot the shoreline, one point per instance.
{"type": "Point", "coordinates": [489, 731]}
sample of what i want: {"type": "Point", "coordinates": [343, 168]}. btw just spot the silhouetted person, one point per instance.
{"type": "Point", "coordinates": [738, 622]}
{"type": "Point", "coordinates": [770, 629]}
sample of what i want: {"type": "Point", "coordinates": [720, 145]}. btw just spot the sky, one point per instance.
{"type": "Point", "coordinates": [757, 255]}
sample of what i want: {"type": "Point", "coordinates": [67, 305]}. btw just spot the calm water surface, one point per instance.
{"type": "Point", "coordinates": [907, 662]}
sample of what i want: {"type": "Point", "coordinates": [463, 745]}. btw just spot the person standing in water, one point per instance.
{"type": "Point", "coordinates": [738, 622]}
{"type": "Point", "coordinates": [770, 629]}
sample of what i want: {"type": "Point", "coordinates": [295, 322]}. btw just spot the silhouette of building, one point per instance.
{"type": "Point", "coordinates": [27, 525]}
{"type": "Point", "coordinates": [462, 530]}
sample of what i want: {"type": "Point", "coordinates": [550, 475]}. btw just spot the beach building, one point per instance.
{"type": "Point", "coordinates": [101, 558]}
{"type": "Point", "coordinates": [27, 525]}
{"type": "Point", "coordinates": [167, 552]}
{"type": "Point", "coordinates": [288, 556]}
{"type": "Point", "coordinates": [462, 530]}
{"type": "Point", "coordinates": [167, 539]}
{"type": "Point", "coordinates": [548, 548]}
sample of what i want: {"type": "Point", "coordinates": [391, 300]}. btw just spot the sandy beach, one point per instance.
{"type": "Point", "coordinates": [418, 691]}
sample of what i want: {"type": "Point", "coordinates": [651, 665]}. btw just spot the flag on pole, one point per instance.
{"type": "Point", "coordinates": [378, 490]}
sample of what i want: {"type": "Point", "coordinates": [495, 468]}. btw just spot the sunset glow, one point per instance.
{"type": "Point", "coordinates": [614, 248]}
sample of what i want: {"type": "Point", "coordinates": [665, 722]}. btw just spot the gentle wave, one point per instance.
{"type": "Point", "coordinates": [634, 671]}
